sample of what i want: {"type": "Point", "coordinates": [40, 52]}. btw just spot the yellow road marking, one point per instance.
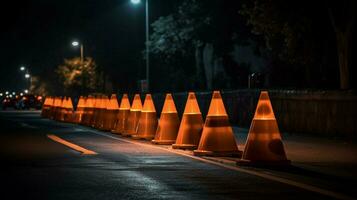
{"type": "Point", "coordinates": [71, 145]}
{"type": "Point", "coordinates": [239, 169]}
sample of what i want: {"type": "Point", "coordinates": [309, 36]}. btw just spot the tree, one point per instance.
{"type": "Point", "coordinates": [298, 32]}
{"type": "Point", "coordinates": [79, 78]}
{"type": "Point", "coordinates": [177, 37]}
{"type": "Point", "coordinates": [343, 17]}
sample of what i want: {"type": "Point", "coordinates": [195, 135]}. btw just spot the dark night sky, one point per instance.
{"type": "Point", "coordinates": [38, 34]}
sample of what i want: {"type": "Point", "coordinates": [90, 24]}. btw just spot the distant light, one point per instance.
{"type": "Point", "coordinates": [7, 92]}
{"type": "Point", "coordinates": [26, 91]}
{"type": "Point", "coordinates": [27, 75]}
{"type": "Point", "coordinates": [22, 68]}
{"type": "Point", "coordinates": [10, 96]}
{"type": "Point", "coordinates": [135, 1]}
{"type": "Point", "coordinates": [75, 43]}
{"type": "Point", "coordinates": [21, 94]}
{"type": "Point", "coordinates": [13, 93]}
{"type": "Point", "coordinates": [1, 94]}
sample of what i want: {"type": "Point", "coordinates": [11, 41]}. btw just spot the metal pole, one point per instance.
{"type": "Point", "coordinates": [81, 53]}
{"type": "Point", "coordinates": [147, 46]}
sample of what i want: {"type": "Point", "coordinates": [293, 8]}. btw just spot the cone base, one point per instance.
{"type": "Point", "coordinates": [217, 153]}
{"type": "Point", "coordinates": [163, 142]}
{"type": "Point", "coordinates": [184, 146]}
{"type": "Point", "coordinates": [140, 137]}
{"type": "Point", "coordinates": [116, 132]}
{"type": "Point", "coordinates": [126, 134]}
{"type": "Point", "coordinates": [243, 162]}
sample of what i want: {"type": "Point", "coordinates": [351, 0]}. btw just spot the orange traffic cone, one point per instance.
{"type": "Point", "coordinates": [54, 108]}
{"type": "Point", "coordinates": [148, 120]}
{"type": "Point", "coordinates": [88, 111]}
{"type": "Point", "coordinates": [59, 108]}
{"type": "Point", "coordinates": [191, 125]}
{"type": "Point", "coordinates": [124, 111]}
{"type": "Point", "coordinates": [264, 145]}
{"type": "Point", "coordinates": [102, 109]}
{"type": "Point", "coordinates": [51, 105]}
{"type": "Point", "coordinates": [96, 102]}
{"type": "Point", "coordinates": [217, 136]}
{"type": "Point", "coordinates": [110, 116]}
{"type": "Point", "coordinates": [134, 116]}
{"type": "Point", "coordinates": [68, 110]}
{"type": "Point", "coordinates": [78, 115]}
{"type": "Point", "coordinates": [46, 107]}
{"type": "Point", "coordinates": [169, 123]}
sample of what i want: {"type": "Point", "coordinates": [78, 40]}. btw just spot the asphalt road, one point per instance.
{"type": "Point", "coordinates": [36, 167]}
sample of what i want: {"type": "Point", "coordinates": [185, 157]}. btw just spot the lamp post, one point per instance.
{"type": "Point", "coordinates": [75, 44]}
{"type": "Point", "coordinates": [147, 39]}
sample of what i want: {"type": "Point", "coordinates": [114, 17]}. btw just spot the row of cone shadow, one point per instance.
{"type": "Point", "coordinates": [214, 137]}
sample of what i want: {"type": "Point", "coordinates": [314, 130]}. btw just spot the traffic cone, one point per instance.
{"type": "Point", "coordinates": [264, 145]}
{"type": "Point", "coordinates": [110, 116]}
{"type": "Point", "coordinates": [148, 120]}
{"type": "Point", "coordinates": [51, 104]}
{"type": "Point", "coordinates": [78, 115]}
{"type": "Point", "coordinates": [60, 114]}
{"type": "Point", "coordinates": [124, 111]}
{"type": "Point", "coordinates": [46, 107]}
{"type": "Point", "coordinates": [217, 136]}
{"type": "Point", "coordinates": [54, 108]}
{"type": "Point", "coordinates": [102, 109]}
{"type": "Point", "coordinates": [96, 108]}
{"type": "Point", "coordinates": [133, 118]}
{"type": "Point", "coordinates": [191, 125]}
{"type": "Point", "coordinates": [68, 110]}
{"type": "Point", "coordinates": [59, 108]}
{"type": "Point", "coordinates": [169, 123]}
{"type": "Point", "coordinates": [88, 111]}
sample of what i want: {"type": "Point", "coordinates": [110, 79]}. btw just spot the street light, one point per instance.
{"type": "Point", "coordinates": [135, 1]}
{"type": "Point", "coordinates": [22, 68]}
{"type": "Point", "coordinates": [27, 75]}
{"type": "Point", "coordinates": [75, 44]}
{"type": "Point", "coordinates": [26, 91]}
{"type": "Point", "coordinates": [147, 38]}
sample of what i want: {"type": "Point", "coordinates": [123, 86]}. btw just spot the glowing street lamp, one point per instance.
{"type": "Point", "coordinates": [27, 75]}
{"type": "Point", "coordinates": [135, 1]}
{"type": "Point", "coordinates": [13, 93]}
{"type": "Point", "coordinates": [7, 92]}
{"type": "Point", "coordinates": [76, 44]}
{"type": "Point", "coordinates": [1, 94]}
{"type": "Point", "coordinates": [26, 91]}
{"type": "Point", "coordinates": [22, 68]}
{"type": "Point", "coordinates": [147, 38]}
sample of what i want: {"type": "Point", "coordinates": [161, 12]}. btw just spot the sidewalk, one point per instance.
{"type": "Point", "coordinates": [334, 157]}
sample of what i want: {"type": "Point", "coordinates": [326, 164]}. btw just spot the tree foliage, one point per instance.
{"type": "Point", "coordinates": [180, 32]}
{"type": "Point", "coordinates": [300, 32]}
{"type": "Point", "coordinates": [79, 78]}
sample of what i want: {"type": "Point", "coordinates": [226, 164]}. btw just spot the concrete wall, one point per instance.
{"type": "Point", "coordinates": [329, 113]}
